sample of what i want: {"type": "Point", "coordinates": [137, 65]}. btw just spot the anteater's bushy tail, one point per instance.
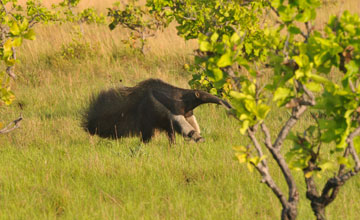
{"type": "Point", "coordinates": [112, 113]}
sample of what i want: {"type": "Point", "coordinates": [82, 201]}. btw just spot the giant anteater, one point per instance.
{"type": "Point", "coordinates": [139, 110]}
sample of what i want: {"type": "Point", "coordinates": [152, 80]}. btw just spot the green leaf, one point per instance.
{"type": "Point", "coordinates": [30, 35]}
{"type": "Point", "coordinates": [242, 157]}
{"type": "Point", "coordinates": [250, 105]}
{"type": "Point", "coordinates": [276, 3]}
{"type": "Point", "coordinates": [213, 91]}
{"type": "Point", "coordinates": [294, 30]}
{"type": "Point", "coordinates": [234, 38]}
{"type": "Point", "coordinates": [299, 73]}
{"type": "Point", "coordinates": [319, 59]}
{"type": "Point", "coordinates": [262, 111]}
{"type": "Point", "coordinates": [225, 60]}
{"type": "Point", "coordinates": [17, 41]}
{"type": "Point", "coordinates": [305, 16]}
{"type": "Point", "coordinates": [240, 96]}
{"type": "Point", "coordinates": [24, 25]}
{"type": "Point", "coordinates": [352, 67]}
{"type": "Point", "coordinates": [7, 48]}
{"type": "Point", "coordinates": [244, 117]}
{"type": "Point", "coordinates": [302, 60]}
{"type": "Point", "coordinates": [205, 46]}
{"type": "Point", "coordinates": [350, 28]}
{"type": "Point", "coordinates": [250, 167]}
{"type": "Point", "coordinates": [14, 29]}
{"type": "Point", "coordinates": [244, 127]}
{"type": "Point", "coordinates": [281, 93]}
{"type": "Point", "coordinates": [254, 160]}
{"type": "Point", "coordinates": [319, 79]}
{"type": "Point", "coordinates": [10, 62]}
{"type": "Point", "coordinates": [218, 74]}
{"type": "Point", "coordinates": [214, 37]}
{"type": "Point", "coordinates": [314, 87]}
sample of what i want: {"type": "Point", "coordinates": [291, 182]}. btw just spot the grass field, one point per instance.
{"type": "Point", "coordinates": [50, 168]}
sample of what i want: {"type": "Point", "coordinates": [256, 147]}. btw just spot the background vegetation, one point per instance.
{"type": "Point", "coordinates": [50, 168]}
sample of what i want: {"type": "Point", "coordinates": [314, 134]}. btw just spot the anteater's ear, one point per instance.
{"type": "Point", "coordinates": [197, 94]}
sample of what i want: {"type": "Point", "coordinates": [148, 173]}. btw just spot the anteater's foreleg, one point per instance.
{"type": "Point", "coordinates": [186, 129]}
{"type": "Point", "coordinates": [146, 133]}
{"type": "Point", "coordinates": [192, 121]}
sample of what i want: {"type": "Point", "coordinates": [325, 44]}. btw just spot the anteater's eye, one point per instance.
{"type": "Point", "coordinates": [197, 94]}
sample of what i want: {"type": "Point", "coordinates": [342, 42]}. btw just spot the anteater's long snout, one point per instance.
{"type": "Point", "coordinates": [208, 98]}
{"type": "Point", "coordinates": [226, 104]}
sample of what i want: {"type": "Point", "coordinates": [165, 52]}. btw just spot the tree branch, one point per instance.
{"type": "Point", "coordinates": [10, 69]}
{"type": "Point", "coordinates": [333, 184]}
{"type": "Point", "coordinates": [263, 169]}
{"type": "Point", "coordinates": [288, 125]}
{"type": "Point", "coordinates": [309, 94]}
{"type": "Point", "coordinates": [251, 134]}
{"type": "Point", "coordinates": [296, 113]}
{"type": "Point", "coordinates": [351, 146]}
{"type": "Point", "coordinates": [266, 132]}
{"type": "Point", "coordinates": [11, 126]}
{"type": "Point", "coordinates": [275, 152]}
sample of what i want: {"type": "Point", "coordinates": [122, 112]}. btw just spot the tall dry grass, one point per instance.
{"type": "Point", "coordinates": [335, 7]}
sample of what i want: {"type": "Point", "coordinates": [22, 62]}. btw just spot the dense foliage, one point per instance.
{"type": "Point", "coordinates": [16, 24]}
{"type": "Point", "coordinates": [236, 43]}
{"type": "Point", "coordinates": [139, 20]}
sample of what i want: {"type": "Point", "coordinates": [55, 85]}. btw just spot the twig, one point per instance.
{"type": "Point", "coordinates": [351, 146]}
{"type": "Point", "coordinates": [288, 125]}
{"type": "Point", "coordinates": [11, 126]}
{"type": "Point", "coordinates": [289, 205]}
{"type": "Point", "coordinates": [296, 113]}
{"type": "Point", "coordinates": [286, 46]}
{"type": "Point", "coordinates": [275, 152]}
{"type": "Point", "coordinates": [10, 69]}
{"type": "Point", "coordinates": [333, 184]}
{"type": "Point", "coordinates": [308, 29]}
{"type": "Point", "coordinates": [274, 10]}
{"type": "Point", "coordinates": [264, 171]}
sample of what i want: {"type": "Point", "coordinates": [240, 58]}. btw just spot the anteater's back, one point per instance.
{"type": "Point", "coordinates": [117, 112]}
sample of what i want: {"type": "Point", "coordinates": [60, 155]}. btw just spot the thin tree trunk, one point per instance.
{"type": "Point", "coordinates": [319, 210]}
{"type": "Point", "coordinates": [289, 213]}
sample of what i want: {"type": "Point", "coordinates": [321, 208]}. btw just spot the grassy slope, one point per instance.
{"type": "Point", "coordinates": [51, 168]}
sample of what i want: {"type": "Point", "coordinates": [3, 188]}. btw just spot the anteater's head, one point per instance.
{"type": "Point", "coordinates": [194, 98]}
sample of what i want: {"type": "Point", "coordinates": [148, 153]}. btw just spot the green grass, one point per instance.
{"type": "Point", "coordinates": [50, 168]}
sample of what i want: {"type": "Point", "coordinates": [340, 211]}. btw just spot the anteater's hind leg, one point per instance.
{"type": "Point", "coordinates": [146, 133]}
{"type": "Point", "coordinates": [147, 116]}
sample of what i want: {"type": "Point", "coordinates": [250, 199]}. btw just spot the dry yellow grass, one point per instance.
{"type": "Point", "coordinates": [52, 37]}
{"type": "Point", "coordinates": [335, 7]}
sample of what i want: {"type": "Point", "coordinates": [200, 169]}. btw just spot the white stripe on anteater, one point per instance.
{"type": "Point", "coordinates": [194, 123]}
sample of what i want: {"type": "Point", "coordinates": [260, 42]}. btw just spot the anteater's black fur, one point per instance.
{"type": "Point", "coordinates": [139, 110]}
